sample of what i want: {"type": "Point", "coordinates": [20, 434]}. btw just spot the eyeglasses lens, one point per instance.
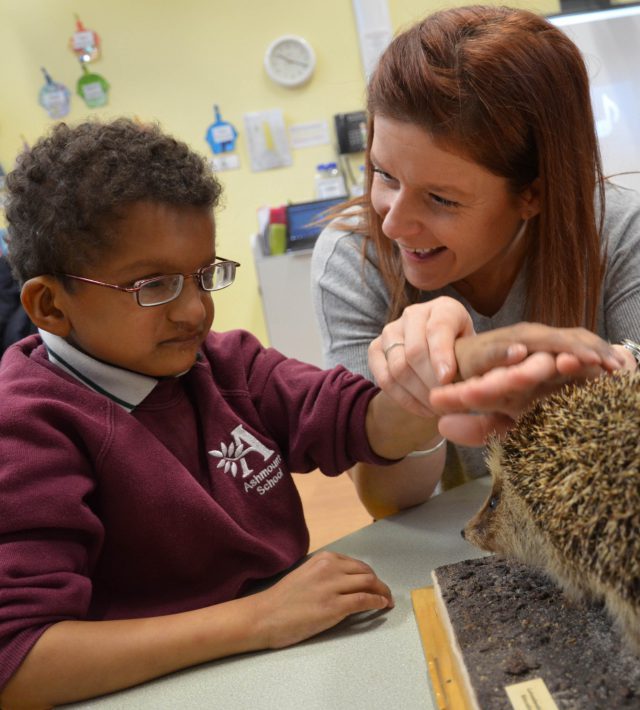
{"type": "Point", "coordinates": [217, 276]}
{"type": "Point", "coordinates": [160, 290]}
{"type": "Point", "coordinates": [165, 288]}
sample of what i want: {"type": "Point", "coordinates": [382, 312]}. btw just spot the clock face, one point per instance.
{"type": "Point", "coordinates": [289, 61]}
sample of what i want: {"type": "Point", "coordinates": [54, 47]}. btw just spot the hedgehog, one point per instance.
{"type": "Point", "coordinates": [566, 495]}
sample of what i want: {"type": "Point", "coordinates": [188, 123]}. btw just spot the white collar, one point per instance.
{"type": "Point", "coordinates": [124, 387]}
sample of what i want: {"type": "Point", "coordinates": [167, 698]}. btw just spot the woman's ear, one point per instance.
{"type": "Point", "coordinates": [41, 299]}
{"type": "Point", "coordinates": [530, 199]}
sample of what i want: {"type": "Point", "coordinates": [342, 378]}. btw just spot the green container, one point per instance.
{"type": "Point", "coordinates": [277, 238]}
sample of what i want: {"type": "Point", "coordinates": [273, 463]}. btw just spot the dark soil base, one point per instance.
{"type": "Point", "coordinates": [513, 624]}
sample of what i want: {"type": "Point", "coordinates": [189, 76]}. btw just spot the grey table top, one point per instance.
{"type": "Point", "coordinates": [366, 662]}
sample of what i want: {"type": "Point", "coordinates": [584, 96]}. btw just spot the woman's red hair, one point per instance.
{"type": "Point", "coordinates": [510, 91]}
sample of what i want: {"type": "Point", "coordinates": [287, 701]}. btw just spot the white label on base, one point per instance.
{"type": "Point", "coordinates": [530, 695]}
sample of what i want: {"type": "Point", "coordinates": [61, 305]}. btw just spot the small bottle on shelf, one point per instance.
{"type": "Point", "coordinates": [329, 182]}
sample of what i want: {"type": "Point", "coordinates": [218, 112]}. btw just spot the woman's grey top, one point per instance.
{"type": "Point", "coordinates": [351, 300]}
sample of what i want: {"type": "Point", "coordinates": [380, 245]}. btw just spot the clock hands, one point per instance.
{"type": "Point", "coordinates": [279, 55]}
{"type": "Point", "coordinates": [289, 61]}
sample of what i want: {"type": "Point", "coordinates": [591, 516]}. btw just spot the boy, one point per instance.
{"type": "Point", "coordinates": [144, 461]}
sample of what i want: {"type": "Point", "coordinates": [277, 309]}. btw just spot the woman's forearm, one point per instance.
{"type": "Point", "coordinates": [384, 490]}
{"type": "Point", "coordinates": [394, 432]}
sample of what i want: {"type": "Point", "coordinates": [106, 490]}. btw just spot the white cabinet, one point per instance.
{"type": "Point", "coordinates": [285, 288]}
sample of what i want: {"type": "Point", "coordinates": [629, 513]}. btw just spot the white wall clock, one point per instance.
{"type": "Point", "coordinates": [289, 61]}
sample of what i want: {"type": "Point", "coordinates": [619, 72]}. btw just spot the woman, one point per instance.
{"type": "Point", "coordinates": [484, 185]}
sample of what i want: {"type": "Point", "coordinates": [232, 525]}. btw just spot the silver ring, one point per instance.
{"type": "Point", "coordinates": [633, 348]}
{"type": "Point", "coordinates": [389, 348]}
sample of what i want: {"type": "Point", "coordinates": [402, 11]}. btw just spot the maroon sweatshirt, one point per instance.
{"type": "Point", "coordinates": [184, 502]}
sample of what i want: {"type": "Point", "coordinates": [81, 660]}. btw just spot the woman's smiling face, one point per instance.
{"type": "Point", "coordinates": [453, 221]}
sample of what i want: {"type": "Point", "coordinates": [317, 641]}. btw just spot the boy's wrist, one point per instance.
{"type": "Point", "coordinates": [394, 432]}
{"type": "Point", "coordinates": [252, 632]}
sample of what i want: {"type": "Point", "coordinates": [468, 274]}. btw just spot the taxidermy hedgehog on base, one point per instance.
{"type": "Point", "coordinates": [566, 495]}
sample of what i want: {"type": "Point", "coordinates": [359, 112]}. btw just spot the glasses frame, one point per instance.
{"type": "Point", "coordinates": [138, 285]}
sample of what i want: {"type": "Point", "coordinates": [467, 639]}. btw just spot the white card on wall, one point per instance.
{"type": "Point", "coordinates": [225, 161]}
{"type": "Point", "coordinates": [267, 139]}
{"type": "Point", "coordinates": [373, 23]}
{"type": "Point", "coordinates": [306, 135]}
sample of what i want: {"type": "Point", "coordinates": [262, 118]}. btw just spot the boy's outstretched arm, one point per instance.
{"type": "Point", "coordinates": [76, 660]}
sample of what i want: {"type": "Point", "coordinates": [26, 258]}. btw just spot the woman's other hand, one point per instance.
{"type": "Point", "coordinates": [416, 352]}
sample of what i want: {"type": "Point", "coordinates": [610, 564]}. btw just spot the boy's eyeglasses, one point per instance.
{"type": "Point", "coordinates": [163, 289]}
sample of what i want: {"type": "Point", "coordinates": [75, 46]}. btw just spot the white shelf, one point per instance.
{"type": "Point", "coordinates": [285, 289]}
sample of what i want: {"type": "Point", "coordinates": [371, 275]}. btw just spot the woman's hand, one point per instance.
{"type": "Point", "coordinates": [317, 595]}
{"type": "Point", "coordinates": [416, 352]}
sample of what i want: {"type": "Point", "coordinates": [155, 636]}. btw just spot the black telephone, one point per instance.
{"type": "Point", "coordinates": [351, 131]}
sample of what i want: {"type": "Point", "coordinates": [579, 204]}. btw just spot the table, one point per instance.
{"type": "Point", "coordinates": [368, 662]}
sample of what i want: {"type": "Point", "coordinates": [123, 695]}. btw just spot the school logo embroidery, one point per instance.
{"type": "Point", "coordinates": [233, 457]}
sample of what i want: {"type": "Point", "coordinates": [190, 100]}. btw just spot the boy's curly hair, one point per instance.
{"type": "Point", "coordinates": [67, 192]}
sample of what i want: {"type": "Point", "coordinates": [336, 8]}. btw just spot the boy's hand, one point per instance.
{"type": "Point", "coordinates": [580, 349]}
{"type": "Point", "coordinates": [503, 393]}
{"type": "Point", "coordinates": [496, 399]}
{"type": "Point", "coordinates": [316, 596]}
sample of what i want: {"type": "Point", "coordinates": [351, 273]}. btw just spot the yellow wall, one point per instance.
{"type": "Point", "coordinates": [170, 62]}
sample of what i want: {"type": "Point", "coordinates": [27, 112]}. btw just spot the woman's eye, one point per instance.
{"type": "Point", "coordinates": [385, 176]}
{"type": "Point", "coordinates": [442, 201]}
